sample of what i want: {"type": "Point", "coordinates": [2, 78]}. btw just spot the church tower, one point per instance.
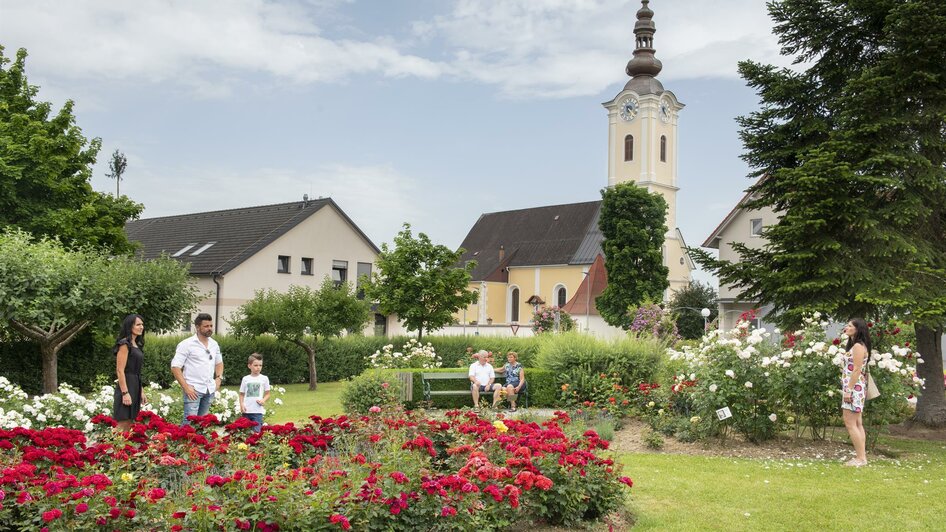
{"type": "Point", "coordinates": [642, 139]}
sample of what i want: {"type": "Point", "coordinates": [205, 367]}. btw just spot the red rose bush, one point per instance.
{"type": "Point", "coordinates": [389, 470]}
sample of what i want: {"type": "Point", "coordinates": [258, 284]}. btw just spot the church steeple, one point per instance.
{"type": "Point", "coordinates": [643, 67]}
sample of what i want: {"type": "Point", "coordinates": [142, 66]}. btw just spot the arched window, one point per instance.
{"type": "Point", "coordinates": [663, 148]}
{"type": "Point", "coordinates": [514, 299]}
{"type": "Point", "coordinates": [629, 148]}
{"type": "Point", "coordinates": [561, 296]}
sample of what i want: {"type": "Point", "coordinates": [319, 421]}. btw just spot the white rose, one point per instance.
{"type": "Point", "coordinates": [773, 417]}
{"type": "Point", "coordinates": [730, 373]}
{"type": "Point", "coordinates": [748, 384]}
{"type": "Point", "coordinates": [712, 388]}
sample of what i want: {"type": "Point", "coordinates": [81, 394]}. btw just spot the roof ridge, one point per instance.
{"type": "Point", "coordinates": [297, 202]}
{"type": "Point", "coordinates": [540, 207]}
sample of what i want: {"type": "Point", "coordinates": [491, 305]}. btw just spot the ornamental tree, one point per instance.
{"type": "Point", "coordinates": [49, 294]}
{"type": "Point", "coordinates": [420, 282]}
{"type": "Point", "coordinates": [686, 305]}
{"type": "Point", "coordinates": [633, 222]}
{"type": "Point", "coordinates": [45, 168]}
{"type": "Point", "coordinates": [852, 155]}
{"type": "Point", "coordinates": [302, 316]}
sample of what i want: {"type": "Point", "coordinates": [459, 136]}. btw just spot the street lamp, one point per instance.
{"type": "Point", "coordinates": [705, 312]}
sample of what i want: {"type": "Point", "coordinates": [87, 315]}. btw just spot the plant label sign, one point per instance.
{"type": "Point", "coordinates": [724, 413]}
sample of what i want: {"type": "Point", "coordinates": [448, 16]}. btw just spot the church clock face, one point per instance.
{"type": "Point", "coordinates": [664, 111]}
{"type": "Point", "coordinates": [629, 108]}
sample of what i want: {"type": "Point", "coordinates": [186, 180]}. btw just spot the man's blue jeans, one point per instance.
{"type": "Point", "coordinates": [197, 407]}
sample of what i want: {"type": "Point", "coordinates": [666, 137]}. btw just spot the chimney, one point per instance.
{"type": "Point", "coordinates": [502, 252]}
{"type": "Point", "coordinates": [305, 201]}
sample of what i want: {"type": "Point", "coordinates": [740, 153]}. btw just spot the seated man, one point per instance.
{"type": "Point", "coordinates": [481, 379]}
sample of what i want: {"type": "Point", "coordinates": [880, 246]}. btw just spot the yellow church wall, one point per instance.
{"type": "Point", "coordinates": [552, 276]}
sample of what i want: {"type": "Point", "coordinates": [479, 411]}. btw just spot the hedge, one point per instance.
{"type": "Point", "coordinates": [543, 391]}
{"type": "Point", "coordinates": [90, 355]}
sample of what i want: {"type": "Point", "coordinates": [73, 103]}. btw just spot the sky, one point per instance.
{"type": "Point", "coordinates": [428, 112]}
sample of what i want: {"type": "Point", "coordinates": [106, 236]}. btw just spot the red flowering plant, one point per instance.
{"type": "Point", "coordinates": [384, 470]}
{"type": "Point", "coordinates": [599, 393]}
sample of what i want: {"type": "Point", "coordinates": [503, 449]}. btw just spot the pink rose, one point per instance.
{"type": "Point", "coordinates": [374, 409]}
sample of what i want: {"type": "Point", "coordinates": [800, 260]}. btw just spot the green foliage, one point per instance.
{"type": "Point", "coordinates": [420, 282]}
{"type": "Point", "coordinates": [633, 222]}
{"type": "Point", "coordinates": [371, 388]}
{"type": "Point", "coordinates": [49, 294]}
{"type": "Point", "coordinates": [652, 439]}
{"type": "Point", "coordinates": [45, 169]}
{"type": "Point", "coordinates": [698, 296]}
{"type": "Point", "coordinates": [301, 311]}
{"type": "Point", "coordinates": [543, 320]}
{"type": "Point", "coordinates": [635, 360]}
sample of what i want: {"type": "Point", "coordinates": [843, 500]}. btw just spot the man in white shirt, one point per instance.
{"type": "Point", "coordinates": [481, 379]}
{"type": "Point", "coordinates": [198, 367]}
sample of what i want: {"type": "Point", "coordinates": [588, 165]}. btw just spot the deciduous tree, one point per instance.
{"type": "Point", "coordinates": [687, 303]}
{"type": "Point", "coordinates": [421, 282]}
{"type": "Point", "coordinates": [49, 293]}
{"type": "Point", "coordinates": [45, 168]}
{"type": "Point", "coordinates": [633, 222]}
{"type": "Point", "coordinates": [302, 316]}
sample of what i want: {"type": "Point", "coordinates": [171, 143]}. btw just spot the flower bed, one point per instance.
{"type": "Point", "coordinates": [384, 471]}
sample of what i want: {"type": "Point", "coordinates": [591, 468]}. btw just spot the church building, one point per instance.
{"type": "Point", "coordinates": [551, 255]}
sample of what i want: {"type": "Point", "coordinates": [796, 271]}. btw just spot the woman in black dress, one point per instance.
{"type": "Point", "coordinates": [129, 394]}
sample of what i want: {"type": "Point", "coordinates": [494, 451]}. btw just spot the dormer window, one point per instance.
{"type": "Point", "coordinates": [184, 249]}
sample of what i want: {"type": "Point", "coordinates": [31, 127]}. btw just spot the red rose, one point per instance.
{"type": "Point", "coordinates": [52, 515]}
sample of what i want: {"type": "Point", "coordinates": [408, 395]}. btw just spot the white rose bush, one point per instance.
{"type": "Point", "coordinates": [413, 354]}
{"type": "Point", "coordinates": [70, 409]}
{"type": "Point", "coordinates": [767, 385]}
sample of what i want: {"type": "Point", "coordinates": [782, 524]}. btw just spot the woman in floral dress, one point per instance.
{"type": "Point", "coordinates": [854, 386]}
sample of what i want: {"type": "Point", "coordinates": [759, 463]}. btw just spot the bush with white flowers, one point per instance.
{"type": "Point", "coordinates": [71, 409]}
{"type": "Point", "coordinates": [766, 385]}
{"type": "Point", "coordinates": [413, 354]}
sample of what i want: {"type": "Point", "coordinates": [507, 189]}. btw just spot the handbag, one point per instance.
{"type": "Point", "coordinates": [872, 391]}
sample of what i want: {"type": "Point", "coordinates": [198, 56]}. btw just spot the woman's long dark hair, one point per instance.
{"type": "Point", "coordinates": [127, 325]}
{"type": "Point", "coordinates": [861, 335]}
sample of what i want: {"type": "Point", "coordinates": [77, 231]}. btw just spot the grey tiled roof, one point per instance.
{"type": "Point", "coordinates": [238, 233]}
{"type": "Point", "coordinates": [553, 234]}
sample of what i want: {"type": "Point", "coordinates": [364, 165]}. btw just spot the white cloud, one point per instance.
{"type": "Point", "coordinates": [192, 42]}
{"type": "Point", "coordinates": [558, 48]}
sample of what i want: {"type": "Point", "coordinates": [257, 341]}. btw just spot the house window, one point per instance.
{"type": "Point", "coordinates": [364, 270]}
{"type": "Point", "coordinates": [306, 266]}
{"type": "Point", "coordinates": [339, 271]}
{"type": "Point", "coordinates": [561, 296]}
{"type": "Point", "coordinates": [282, 264]}
{"type": "Point", "coordinates": [755, 227]}
{"type": "Point", "coordinates": [629, 148]}
{"type": "Point", "coordinates": [514, 298]}
{"type": "Point", "coordinates": [663, 148]}
{"type": "Point", "coordinates": [184, 250]}
{"type": "Point", "coordinates": [202, 249]}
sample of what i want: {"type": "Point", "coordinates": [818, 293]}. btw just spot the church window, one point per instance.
{"type": "Point", "coordinates": [629, 148]}
{"type": "Point", "coordinates": [561, 296]}
{"type": "Point", "coordinates": [514, 299]}
{"type": "Point", "coordinates": [663, 148]}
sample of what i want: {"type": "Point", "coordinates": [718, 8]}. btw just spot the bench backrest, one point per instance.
{"type": "Point", "coordinates": [443, 376]}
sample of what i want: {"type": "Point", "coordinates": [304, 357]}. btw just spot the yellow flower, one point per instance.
{"type": "Point", "coordinates": [695, 419]}
{"type": "Point", "coordinates": [127, 477]}
{"type": "Point", "coordinates": [500, 426]}
{"type": "Point", "coordinates": [242, 446]}
{"type": "Point", "coordinates": [651, 404]}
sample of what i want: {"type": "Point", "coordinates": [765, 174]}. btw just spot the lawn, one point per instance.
{"type": "Point", "coordinates": [299, 403]}
{"type": "Point", "coordinates": [683, 492]}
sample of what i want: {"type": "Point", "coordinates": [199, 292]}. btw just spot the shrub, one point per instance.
{"type": "Point", "coordinates": [372, 388]}
{"type": "Point", "coordinates": [652, 439]}
{"type": "Point", "coordinates": [544, 320]}
{"type": "Point", "coordinates": [575, 357]}
{"type": "Point", "coordinates": [413, 354]}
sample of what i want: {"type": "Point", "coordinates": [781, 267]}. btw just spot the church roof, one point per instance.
{"type": "Point", "coordinates": [539, 236]}
{"type": "Point", "coordinates": [221, 240]}
{"type": "Point", "coordinates": [596, 281]}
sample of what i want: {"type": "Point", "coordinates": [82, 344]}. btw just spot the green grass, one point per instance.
{"type": "Point", "coordinates": [299, 403]}
{"type": "Point", "coordinates": [680, 492]}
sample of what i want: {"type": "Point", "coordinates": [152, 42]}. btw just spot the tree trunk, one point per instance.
{"type": "Point", "coordinates": [931, 403]}
{"type": "Point", "coordinates": [420, 333]}
{"type": "Point", "coordinates": [313, 375]}
{"type": "Point", "coordinates": [50, 353]}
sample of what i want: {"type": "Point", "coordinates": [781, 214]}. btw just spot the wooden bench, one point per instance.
{"type": "Point", "coordinates": [465, 377]}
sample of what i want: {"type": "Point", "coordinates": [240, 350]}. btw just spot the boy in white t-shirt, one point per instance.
{"type": "Point", "coordinates": [254, 391]}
